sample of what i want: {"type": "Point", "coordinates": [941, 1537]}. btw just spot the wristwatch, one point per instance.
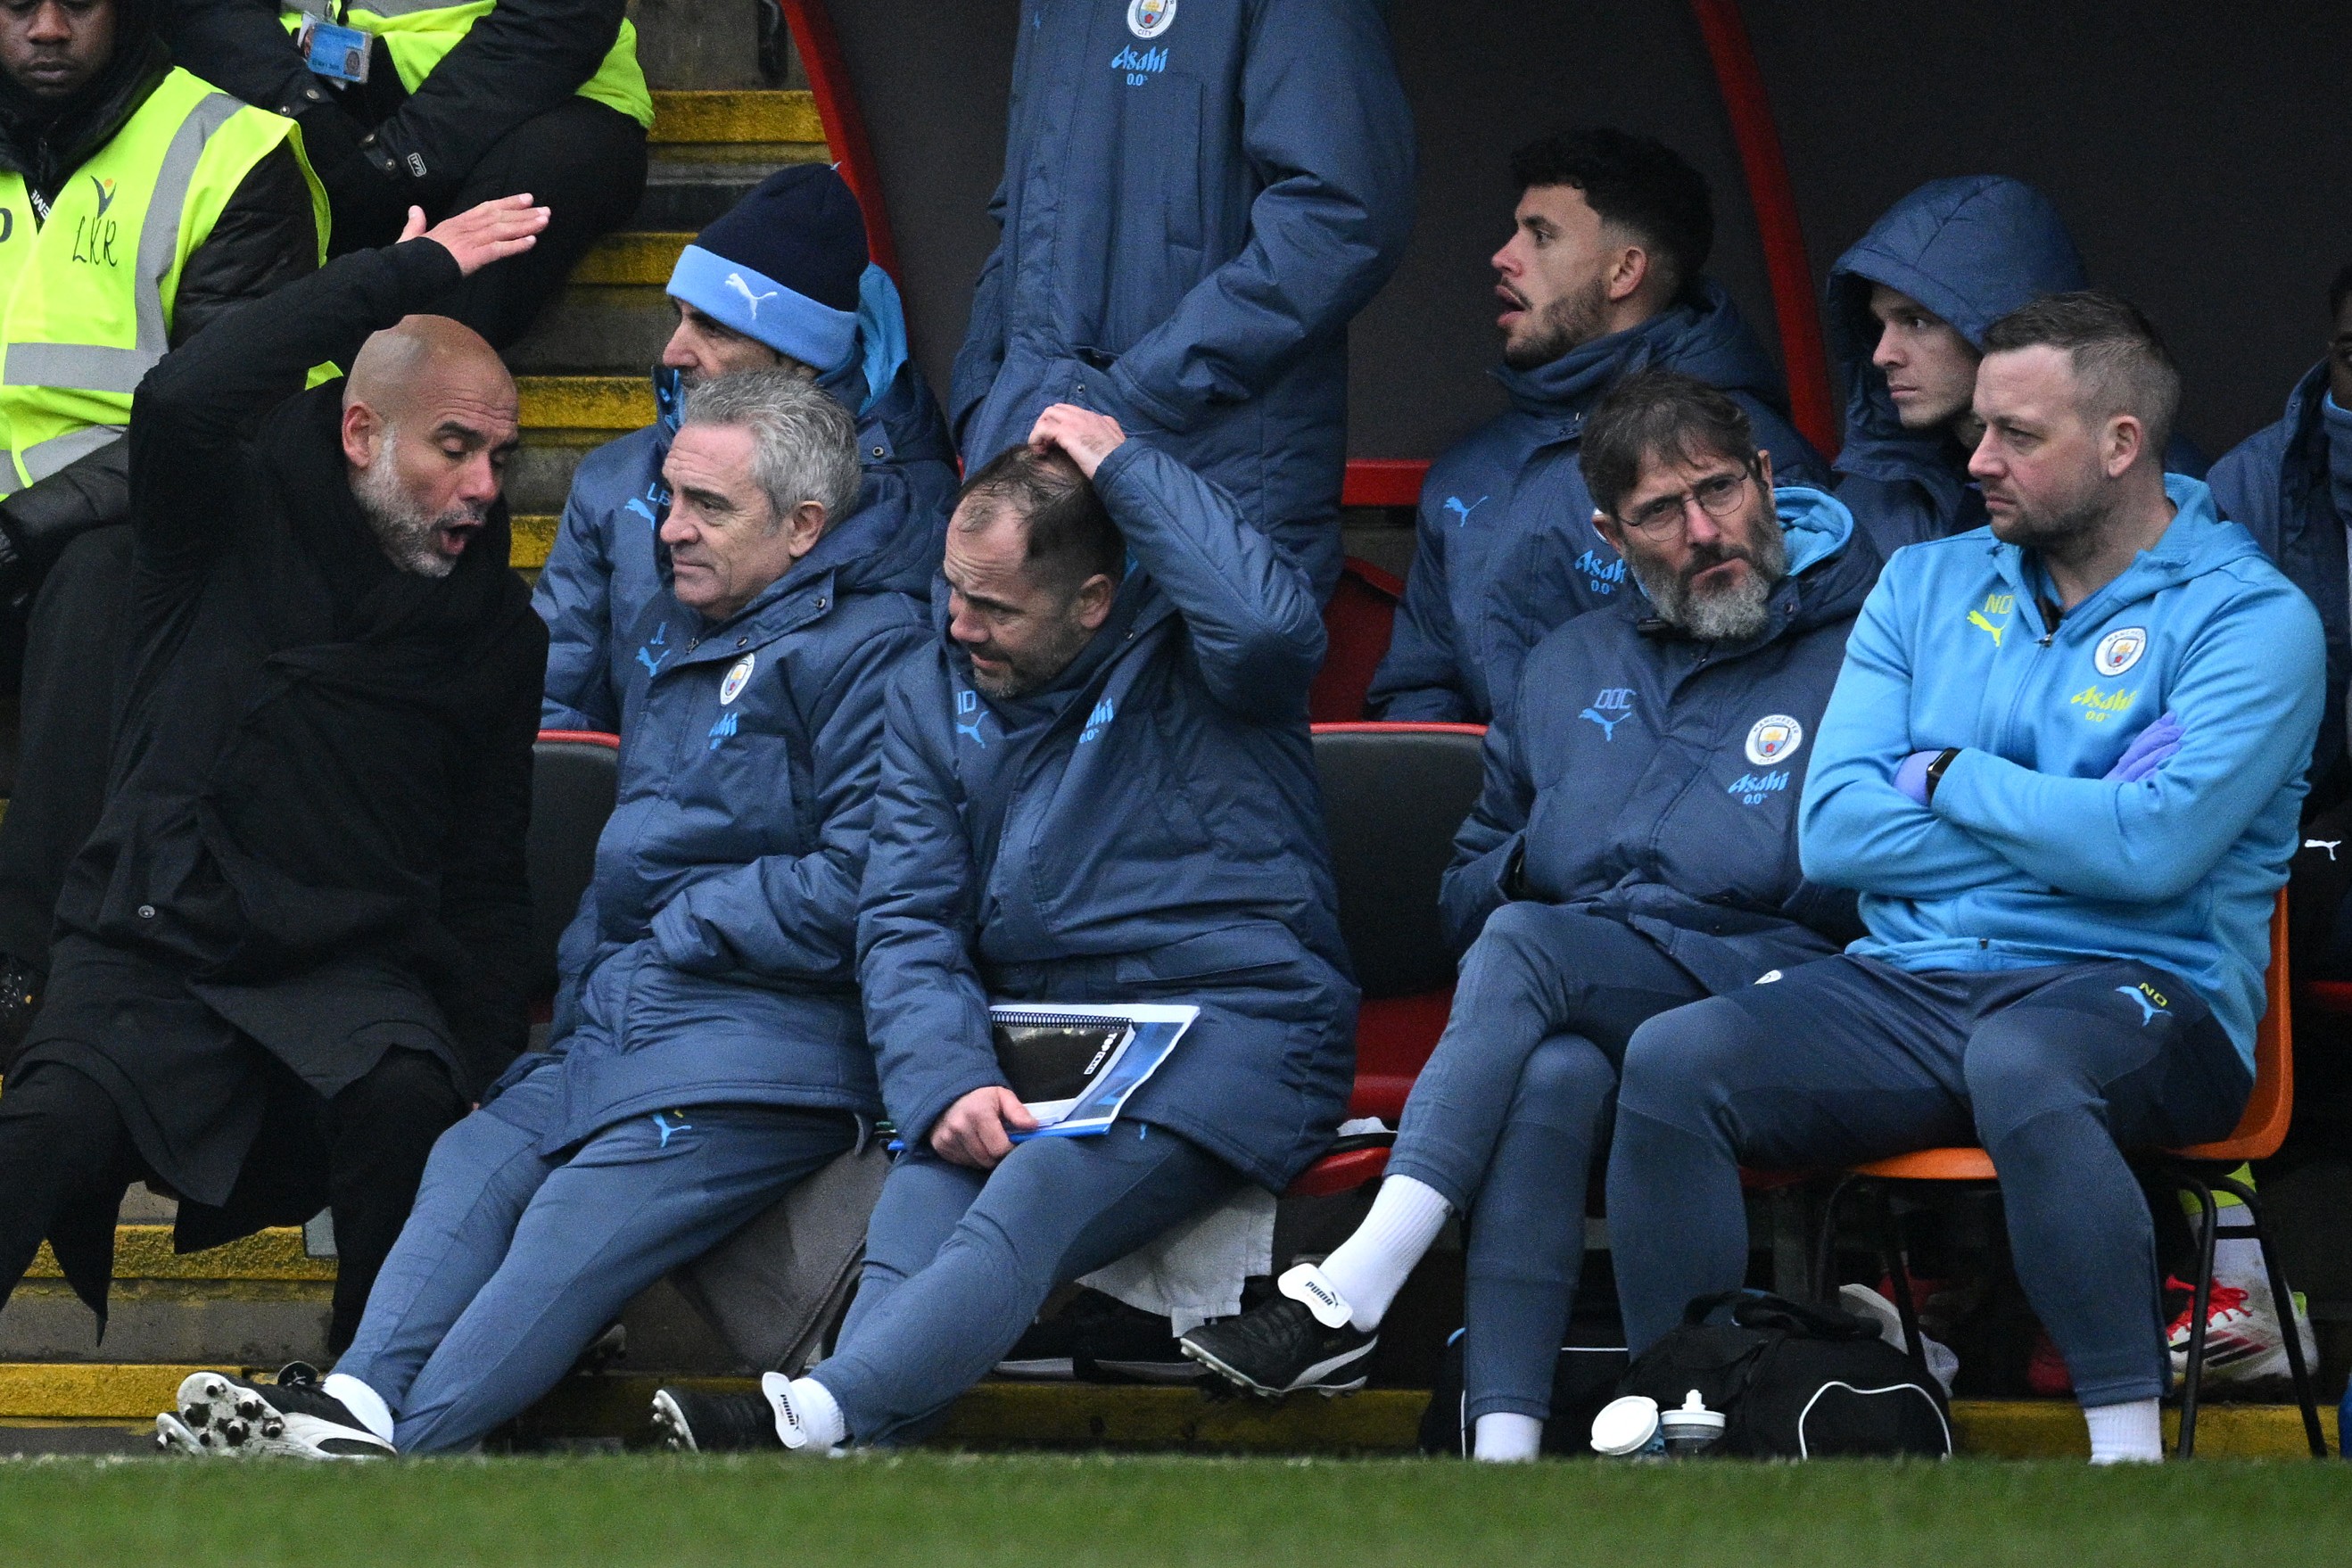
{"type": "Point", "coordinates": [1935, 769]}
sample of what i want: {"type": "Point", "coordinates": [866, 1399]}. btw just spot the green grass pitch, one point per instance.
{"type": "Point", "coordinates": [943, 1512]}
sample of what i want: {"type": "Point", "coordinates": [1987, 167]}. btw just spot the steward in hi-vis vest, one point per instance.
{"type": "Point", "coordinates": [443, 106]}
{"type": "Point", "coordinates": [137, 204]}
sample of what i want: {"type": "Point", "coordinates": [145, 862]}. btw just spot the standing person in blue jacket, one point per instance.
{"type": "Point", "coordinates": [708, 1050]}
{"type": "Point", "coordinates": [2290, 486]}
{"type": "Point", "coordinates": [1197, 200]}
{"type": "Point", "coordinates": [783, 280]}
{"type": "Point", "coordinates": [2062, 766]}
{"type": "Point", "coordinates": [1602, 277]}
{"type": "Point", "coordinates": [1634, 848]}
{"type": "Point", "coordinates": [1096, 788]}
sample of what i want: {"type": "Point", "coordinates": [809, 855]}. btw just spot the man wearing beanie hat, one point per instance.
{"type": "Point", "coordinates": [782, 279]}
{"type": "Point", "coordinates": [1197, 200]}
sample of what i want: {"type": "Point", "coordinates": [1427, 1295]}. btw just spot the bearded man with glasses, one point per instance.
{"type": "Point", "coordinates": [1634, 848]}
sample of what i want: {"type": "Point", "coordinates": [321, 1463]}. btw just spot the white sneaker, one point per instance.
{"type": "Point", "coordinates": [292, 1418]}
{"type": "Point", "coordinates": [2243, 1341]}
{"type": "Point", "coordinates": [1864, 1302]}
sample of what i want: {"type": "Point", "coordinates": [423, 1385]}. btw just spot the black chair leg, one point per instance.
{"type": "Point", "coordinates": [2208, 1224]}
{"type": "Point", "coordinates": [1825, 1255]}
{"type": "Point", "coordinates": [1898, 1274]}
{"type": "Point", "coordinates": [2306, 1397]}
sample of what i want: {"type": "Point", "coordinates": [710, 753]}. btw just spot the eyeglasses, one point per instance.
{"type": "Point", "coordinates": [1718, 495]}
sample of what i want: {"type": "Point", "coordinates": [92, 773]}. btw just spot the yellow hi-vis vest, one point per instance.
{"type": "Point", "coordinates": [418, 34]}
{"type": "Point", "coordinates": [87, 295]}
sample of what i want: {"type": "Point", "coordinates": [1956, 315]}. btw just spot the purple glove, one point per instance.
{"type": "Point", "coordinates": [1911, 778]}
{"type": "Point", "coordinates": [2149, 750]}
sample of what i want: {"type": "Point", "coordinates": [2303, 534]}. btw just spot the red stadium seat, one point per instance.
{"type": "Point", "coordinates": [1393, 796]}
{"type": "Point", "coordinates": [1356, 625]}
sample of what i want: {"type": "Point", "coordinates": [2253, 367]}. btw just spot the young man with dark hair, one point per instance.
{"type": "Point", "coordinates": [1601, 276]}
{"type": "Point", "coordinates": [1097, 788]}
{"type": "Point", "coordinates": [2062, 766]}
{"type": "Point", "coordinates": [1642, 781]}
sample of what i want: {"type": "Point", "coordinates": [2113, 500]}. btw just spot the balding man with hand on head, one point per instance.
{"type": "Point", "coordinates": [294, 950]}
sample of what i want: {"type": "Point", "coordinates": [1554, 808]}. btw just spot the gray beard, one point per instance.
{"type": "Point", "coordinates": [1730, 614]}
{"type": "Point", "coordinates": [402, 528]}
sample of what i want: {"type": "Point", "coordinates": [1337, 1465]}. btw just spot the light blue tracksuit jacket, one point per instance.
{"type": "Point", "coordinates": [2028, 856]}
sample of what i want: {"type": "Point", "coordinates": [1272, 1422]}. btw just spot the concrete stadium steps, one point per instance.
{"type": "Point", "coordinates": [263, 1299]}
{"type": "Point", "coordinates": [96, 1405]}
{"type": "Point", "coordinates": [707, 148]}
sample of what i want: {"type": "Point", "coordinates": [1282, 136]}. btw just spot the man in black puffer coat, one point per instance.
{"type": "Point", "coordinates": [295, 947]}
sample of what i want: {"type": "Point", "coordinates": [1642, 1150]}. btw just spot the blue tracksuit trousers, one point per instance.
{"type": "Point", "coordinates": [513, 1261]}
{"type": "Point", "coordinates": [957, 1261]}
{"type": "Point", "coordinates": [1506, 1120]}
{"type": "Point", "coordinates": [2052, 1070]}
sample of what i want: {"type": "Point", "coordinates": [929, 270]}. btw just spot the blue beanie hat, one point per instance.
{"type": "Point", "coordinates": [783, 266]}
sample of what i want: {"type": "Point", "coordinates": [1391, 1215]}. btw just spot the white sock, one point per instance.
{"type": "Point", "coordinates": [361, 1400]}
{"type": "Point", "coordinates": [820, 1415]}
{"type": "Point", "coordinates": [2236, 1255]}
{"type": "Point", "coordinates": [1506, 1438]}
{"type": "Point", "coordinates": [2130, 1433]}
{"type": "Point", "coordinates": [1370, 1267]}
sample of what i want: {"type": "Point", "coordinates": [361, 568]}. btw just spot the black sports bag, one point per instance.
{"type": "Point", "coordinates": [1795, 1382]}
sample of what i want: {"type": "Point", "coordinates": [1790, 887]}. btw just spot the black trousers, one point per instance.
{"type": "Point", "coordinates": [583, 161]}
{"type": "Point", "coordinates": [74, 659]}
{"type": "Point", "coordinates": [65, 1158]}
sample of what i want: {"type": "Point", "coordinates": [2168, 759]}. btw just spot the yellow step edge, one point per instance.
{"type": "Point", "coordinates": [534, 536]}
{"type": "Point", "coordinates": [712, 117]}
{"type": "Point", "coordinates": [1010, 1414]}
{"type": "Point", "coordinates": [145, 1252]}
{"type": "Point", "coordinates": [642, 260]}
{"type": "Point", "coordinates": [615, 403]}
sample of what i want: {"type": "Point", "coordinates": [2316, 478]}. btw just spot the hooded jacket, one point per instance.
{"type": "Point", "coordinates": [2027, 854]}
{"type": "Point", "coordinates": [1197, 199]}
{"type": "Point", "coordinates": [608, 566]}
{"type": "Point", "coordinates": [713, 959]}
{"type": "Point", "coordinates": [265, 236]}
{"type": "Point", "coordinates": [2290, 486]}
{"type": "Point", "coordinates": [1505, 550]}
{"type": "Point", "coordinates": [1654, 779]}
{"type": "Point", "coordinates": [1970, 250]}
{"type": "Point", "coordinates": [1146, 827]}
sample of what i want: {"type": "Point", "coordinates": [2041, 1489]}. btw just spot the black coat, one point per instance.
{"type": "Point", "coordinates": [267, 236]}
{"type": "Point", "coordinates": [318, 789]}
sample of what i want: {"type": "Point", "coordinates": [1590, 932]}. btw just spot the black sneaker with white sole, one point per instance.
{"type": "Point", "coordinates": [707, 1421]}
{"type": "Point", "coordinates": [1098, 1338]}
{"type": "Point", "coordinates": [292, 1418]}
{"type": "Point", "coordinates": [1281, 1348]}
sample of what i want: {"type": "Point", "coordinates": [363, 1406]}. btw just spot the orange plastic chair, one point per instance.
{"type": "Point", "coordinates": [2195, 1170]}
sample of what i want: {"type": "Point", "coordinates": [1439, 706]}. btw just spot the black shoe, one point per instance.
{"type": "Point", "coordinates": [292, 1418]}
{"type": "Point", "coordinates": [1098, 1338]}
{"type": "Point", "coordinates": [704, 1421]}
{"type": "Point", "coordinates": [1281, 1348]}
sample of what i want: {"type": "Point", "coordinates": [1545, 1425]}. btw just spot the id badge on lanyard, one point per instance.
{"type": "Point", "coordinates": [334, 51]}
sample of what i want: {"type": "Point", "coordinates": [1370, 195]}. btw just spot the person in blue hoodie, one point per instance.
{"type": "Point", "coordinates": [1197, 200]}
{"type": "Point", "coordinates": [2290, 485]}
{"type": "Point", "coordinates": [708, 1049]}
{"type": "Point", "coordinates": [1096, 788]}
{"type": "Point", "coordinates": [2062, 766]}
{"type": "Point", "coordinates": [1602, 277]}
{"type": "Point", "coordinates": [781, 280]}
{"type": "Point", "coordinates": [1634, 848]}
{"type": "Point", "coordinates": [1907, 309]}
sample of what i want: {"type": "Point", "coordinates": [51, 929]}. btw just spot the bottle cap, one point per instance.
{"type": "Point", "coordinates": [1626, 1426]}
{"type": "Point", "coordinates": [1693, 1417]}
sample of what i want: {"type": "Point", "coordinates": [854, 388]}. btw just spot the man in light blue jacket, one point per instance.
{"type": "Point", "coordinates": [2061, 765]}
{"type": "Point", "coordinates": [708, 1049]}
{"type": "Point", "coordinates": [1197, 200]}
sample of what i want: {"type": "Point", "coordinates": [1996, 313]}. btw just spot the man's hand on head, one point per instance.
{"type": "Point", "coordinates": [1087, 436]}
{"type": "Point", "coordinates": [976, 1130]}
{"type": "Point", "coordinates": [479, 236]}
